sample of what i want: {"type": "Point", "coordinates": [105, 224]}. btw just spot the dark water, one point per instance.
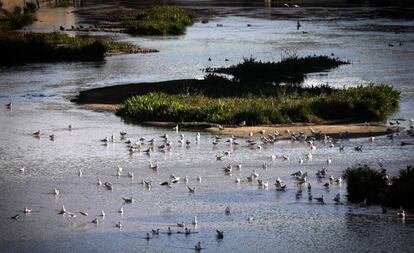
{"type": "Point", "coordinates": [40, 94]}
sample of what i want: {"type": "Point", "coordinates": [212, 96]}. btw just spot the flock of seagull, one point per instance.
{"type": "Point", "coordinates": [148, 147]}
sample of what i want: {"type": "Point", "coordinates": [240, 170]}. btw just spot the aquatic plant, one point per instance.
{"type": "Point", "coordinates": [376, 187]}
{"type": "Point", "coordinates": [290, 69]}
{"type": "Point", "coordinates": [48, 47]}
{"type": "Point", "coordinates": [365, 183]}
{"type": "Point", "coordinates": [159, 20]}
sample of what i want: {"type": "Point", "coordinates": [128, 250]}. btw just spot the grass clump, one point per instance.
{"type": "Point", "coordinates": [159, 20]}
{"type": "Point", "coordinates": [18, 18]}
{"type": "Point", "coordinates": [376, 187]}
{"type": "Point", "coordinates": [19, 48]}
{"type": "Point", "coordinates": [287, 108]}
{"type": "Point", "coordinates": [291, 69]}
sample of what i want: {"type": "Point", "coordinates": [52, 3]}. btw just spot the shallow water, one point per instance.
{"type": "Point", "coordinates": [40, 94]}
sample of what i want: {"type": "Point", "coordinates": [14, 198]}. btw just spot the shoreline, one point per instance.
{"type": "Point", "coordinates": [335, 130]}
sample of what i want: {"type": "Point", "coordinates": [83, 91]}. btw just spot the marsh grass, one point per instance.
{"type": "Point", "coordinates": [19, 48]}
{"type": "Point", "coordinates": [373, 185]}
{"type": "Point", "coordinates": [286, 108]}
{"type": "Point", "coordinates": [291, 69]}
{"type": "Point", "coordinates": [159, 20]}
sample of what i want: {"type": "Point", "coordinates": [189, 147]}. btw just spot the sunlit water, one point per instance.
{"type": "Point", "coordinates": [40, 94]}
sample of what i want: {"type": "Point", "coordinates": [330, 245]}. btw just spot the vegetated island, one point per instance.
{"type": "Point", "coordinates": [22, 47]}
{"type": "Point", "coordinates": [259, 93]}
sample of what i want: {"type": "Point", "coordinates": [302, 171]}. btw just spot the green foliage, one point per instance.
{"type": "Point", "coordinates": [365, 183]}
{"type": "Point", "coordinates": [401, 190]}
{"type": "Point", "coordinates": [159, 20]}
{"type": "Point", "coordinates": [286, 108]}
{"type": "Point", "coordinates": [374, 185]}
{"type": "Point", "coordinates": [291, 69]}
{"type": "Point", "coordinates": [48, 47]}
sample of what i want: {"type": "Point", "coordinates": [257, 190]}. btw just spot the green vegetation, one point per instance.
{"type": "Point", "coordinates": [18, 18]}
{"type": "Point", "coordinates": [48, 47]}
{"type": "Point", "coordinates": [292, 107]}
{"type": "Point", "coordinates": [375, 186]}
{"type": "Point", "coordinates": [159, 20]}
{"type": "Point", "coordinates": [291, 69]}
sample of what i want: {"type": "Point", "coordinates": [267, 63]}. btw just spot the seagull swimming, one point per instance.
{"type": "Point", "coordinates": [128, 200]}
{"type": "Point", "coordinates": [62, 210]}
{"type": "Point", "coordinates": [27, 210]}
{"type": "Point", "coordinates": [191, 190]}
{"type": "Point", "coordinates": [195, 222]}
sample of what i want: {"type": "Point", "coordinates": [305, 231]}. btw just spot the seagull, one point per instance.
{"type": "Point", "coordinates": [337, 198]}
{"type": "Point", "coordinates": [109, 186]}
{"type": "Point", "coordinates": [295, 6]}
{"type": "Point", "coordinates": [250, 219]}
{"type": "Point", "coordinates": [99, 182]}
{"type": "Point", "coordinates": [181, 224]}
{"type": "Point", "coordinates": [227, 210]}
{"type": "Point", "coordinates": [320, 199]}
{"type": "Point", "coordinates": [237, 181]}
{"type": "Point", "coordinates": [70, 127]}
{"type": "Point", "coordinates": [195, 221]}
{"type": "Point", "coordinates": [401, 214]}
{"type": "Point", "coordinates": [118, 225]}
{"type": "Point", "coordinates": [36, 134]}
{"type": "Point", "coordinates": [27, 210]}
{"type": "Point", "coordinates": [286, 5]}
{"type": "Point", "coordinates": [123, 133]}
{"type": "Point", "coordinates": [153, 166]}
{"type": "Point", "coordinates": [62, 210]}
{"type": "Point", "coordinates": [128, 200]}
{"type": "Point", "coordinates": [80, 172]}
{"type": "Point", "coordinates": [220, 235]}
{"type": "Point", "coordinates": [84, 213]}
{"type": "Point", "coordinates": [9, 105]}
{"type": "Point", "coordinates": [221, 128]}
{"type": "Point", "coordinates": [55, 192]}
{"type": "Point", "coordinates": [102, 213]}
{"type": "Point", "coordinates": [121, 210]}
{"type": "Point", "coordinates": [105, 140]}
{"type": "Point", "coordinates": [15, 217]}
{"type": "Point", "coordinates": [371, 139]}
{"type": "Point", "coordinates": [199, 178]}
{"type": "Point", "coordinates": [52, 137]}
{"type": "Point", "coordinates": [198, 247]}
{"type": "Point", "coordinates": [186, 179]}
{"type": "Point", "coordinates": [21, 169]}
{"type": "Point", "coordinates": [131, 174]}
{"type": "Point", "coordinates": [191, 190]}
{"type": "Point", "coordinates": [95, 221]}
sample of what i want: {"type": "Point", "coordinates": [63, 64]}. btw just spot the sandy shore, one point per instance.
{"type": "Point", "coordinates": [102, 107]}
{"type": "Point", "coordinates": [335, 130]}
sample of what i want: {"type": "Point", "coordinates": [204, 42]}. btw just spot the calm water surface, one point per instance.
{"type": "Point", "coordinates": [41, 92]}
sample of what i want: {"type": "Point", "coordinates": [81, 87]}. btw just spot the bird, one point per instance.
{"type": "Point", "coordinates": [320, 199]}
{"type": "Point", "coordinates": [209, 59]}
{"type": "Point", "coordinates": [220, 234]}
{"type": "Point", "coordinates": [237, 181]}
{"type": "Point", "coordinates": [95, 221]}
{"type": "Point", "coordinates": [118, 224]}
{"type": "Point", "coordinates": [36, 134]}
{"type": "Point", "coordinates": [52, 137]}
{"type": "Point", "coordinates": [102, 213]}
{"type": "Point", "coordinates": [15, 217]}
{"type": "Point", "coordinates": [181, 224]}
{"type": "Point", "coordinates": [121, 210]}
{"type": "Point", "coordinates": [286, 5]}
{"type": "Point", "coordinates": [337, 198]}
{"type": "Point", "coordinates": [62, 210]}
{"type": "Point", "coordinates": [195, 221]}
{"type": "Point", "coordinates": [131, 174]}
{"type": "Point", "coordinates": [128, 200]}
{"type": "Point", "coordinates": [55, 192]}
{"type": "Point", "coordinates": [198, 247]}
{"type": "Point", "coordinates": [175, 128]}
{"type": "Point", "coordinates": [21, 169]}
{"type": "Point", "coordinates": [227, 211]}
{"type": "Point", "coordinates": [80, 172]}
{"type": "Point", "coordinates": [99, 182]}
{"type": "Point", "coordinates": [295, 6]}
{"type": "Point", "coordinates": [61, 28]}
{"type": "Point", "coordinates": [27, 210]}
{"type": "Point", "coordinates": [401, 214]}
{"type": "Point", "coordinates": [9, 105]}
{"type": "Point", "coordinates": [199, 178]}
{"type": "Point", "coordinates": [191, 190]}
{"type": "Point", "coordinates": [109, 186]}
{"type": "Point", "coordinates": [250, 219]}
{"type": "Point", "coordinates": [84, 213]}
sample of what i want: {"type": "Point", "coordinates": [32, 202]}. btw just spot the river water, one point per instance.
{"type": "Point", "coordinates": [40, 94]}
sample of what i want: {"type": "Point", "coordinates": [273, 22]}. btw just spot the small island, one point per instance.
{"type": "Point", "coordinates": [258, 94]}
